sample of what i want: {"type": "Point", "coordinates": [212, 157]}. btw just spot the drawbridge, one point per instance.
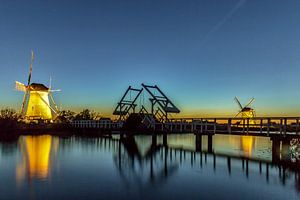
{"type": "Point", "coordinates": [161, 106]}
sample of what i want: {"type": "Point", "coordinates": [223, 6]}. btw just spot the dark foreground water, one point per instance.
{"type": "Point", "coordinates": [47, 167]}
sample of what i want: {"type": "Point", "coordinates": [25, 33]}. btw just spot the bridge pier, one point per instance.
{"type": "Point", "coordinates": [209, 143]}
{"type": "Point", "coordinates": [165, 139]}
{"type": "Point", "coordinates": [275, 150]}
{"type": "Point", "coordinates": [198, 142]}
{"type": "Point", "coordinates": [285, 148]}
{"type": "Point", "coordinates": [154, 140]}
{"type": "Point", "coordinates": [280, 153]}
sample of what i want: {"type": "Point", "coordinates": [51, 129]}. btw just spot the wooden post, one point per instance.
{"type": "Point", "coordinates": [181, 125]}
{"type": "Point", "coordinates": [261, 125]}
{"type": "Point", "coordinates": [285, 125]}
{"type": "Point", "coordinates": [297, 125]}
{"type": "Point", "coordinates": [209, 143]}
{"type": "Point", "coordinates": [268, 128]}
{"type": "Point", "coordinates": [215, 125]}
{"type": "Point", "coordinates": [247, 126]}
{"type": "Point", "coordinates": [201, 126]}
{"type": "Point", "coordinates": [229, 126]}
{"type": "Point", "coordinates": [198, 142]}
{"type": "Point", "coordinates": [280, 126]}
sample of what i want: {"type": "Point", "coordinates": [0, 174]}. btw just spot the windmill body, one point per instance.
{"type": "Point", "coordinates": [248, 113]}
{"type": "Point", "coordinates": [38, 104]}
{"type": "Point", "coordinates": [37, 99]}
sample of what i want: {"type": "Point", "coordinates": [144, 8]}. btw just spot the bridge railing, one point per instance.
{"type": "Point", "coordinates": [99, 124]}
{"type": "Point", "coordinates": [266, 125]}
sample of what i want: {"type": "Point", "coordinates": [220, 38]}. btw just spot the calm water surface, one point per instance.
{"type": "Point", "coordinates": [48, 167]}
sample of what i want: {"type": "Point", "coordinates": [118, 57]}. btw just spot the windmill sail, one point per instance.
{"type": "Point", "coordinates": [20, 86]}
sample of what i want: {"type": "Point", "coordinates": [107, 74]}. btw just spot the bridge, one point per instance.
{"type": "Point", "coordinates": [157, 119]}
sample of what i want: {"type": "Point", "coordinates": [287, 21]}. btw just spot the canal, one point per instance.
{"type": "Point", "coordinates": [139, 167]}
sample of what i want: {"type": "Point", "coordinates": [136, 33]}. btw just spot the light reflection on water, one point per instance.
{"type": "Point", "coordinates": [50, 167]}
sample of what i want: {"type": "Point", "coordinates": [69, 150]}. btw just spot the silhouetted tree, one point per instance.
{"type": "Point", "coordinates": [8, 113]}
{"type": "Point", "coordinates": [86, 114]}
{"type": "Point", "coordinates": [66, 116]}
{"type": "Point", "coordinates": [8, 119]}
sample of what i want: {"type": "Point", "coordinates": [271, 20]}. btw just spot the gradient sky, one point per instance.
{"type": "Point", "coordinates": [201, 53]}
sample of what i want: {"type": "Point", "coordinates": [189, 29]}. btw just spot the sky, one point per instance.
{"type": "Point", "coordinates": [201, 53]}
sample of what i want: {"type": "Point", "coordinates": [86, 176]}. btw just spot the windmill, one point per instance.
{"type": "Point", "coordinates": [246, 111]}
{"type": "Point", "coordinates": [38, 105]}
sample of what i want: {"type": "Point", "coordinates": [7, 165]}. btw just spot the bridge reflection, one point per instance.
{"type": "Point", "coordinates": [161, 161]}
{"type": "Point", "coordinates": [152, 160]}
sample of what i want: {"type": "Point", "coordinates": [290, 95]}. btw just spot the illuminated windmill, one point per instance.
{"type": "Point", "coordinates": [38, 105]}
{"type": "Point", "coordinates": [246, 111]}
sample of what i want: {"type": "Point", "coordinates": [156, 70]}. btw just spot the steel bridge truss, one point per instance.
{"type": "Point", "coordinates": [165, 105]}
{"type": "Point", "coordinates": [127, 103]}
{"type": "Point", "coordinates": [157, 98]}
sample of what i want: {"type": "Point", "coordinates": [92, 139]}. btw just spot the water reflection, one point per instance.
{"type": "Point", "coordinates": [151, 166]}
{"type": "Point", "coordinates": [36, 156]}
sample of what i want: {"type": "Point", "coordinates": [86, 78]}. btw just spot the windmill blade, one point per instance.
{"type": "Point", "coordinates": [30, 69]}
{"type": "Point", "coordinates": [24, 102]}
{"type": "Point", "coordinates": [52, 99]}
{"type": "Point", "coordinates": [20, 86]}
{"type": "Point", "coordinates": [237, 114]}
{"type": "Point", "coordinates": [50, 83]}
{"type": "Point", "coordinates": [47, 104]}
{"type": "Point", "coordinates": [251, 100]}
{"type": "Point", "coordinates": [58, 90]}
{"type": "Point", "coordinates": [238, 102]}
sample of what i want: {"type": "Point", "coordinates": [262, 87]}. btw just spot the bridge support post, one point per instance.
{"type": "Point", "coordinates": [154, 140]}
{"type": "Point", "coordinates": [285, 147]}
{"type": "Point", "coordinates": [209, 143]}
{"type": "Point", "coordinates": [297, 126]}
{"type": "Point", "coordinates": [261, 125]}
{"type": "Point", "coordinates": [281, 125]}
{"type": "Point", "coordinates": [181, 126]}
{"type": "Point", "coordinates": [198, 142]}
{"type": "Point", "coordinates": [229, 126]}
{"type": "Point", "coordinates": [201, 125]}
{"type": "Point", "coordinates": [268, 128]}
{"type": "Point", "coordinates": [285, 126]}
{"type": "Point", "coordinates": [248, 126]}
{"type": "Point", "coordinates": [215, 125]}
{"type": "Point", "coordinates": [275, 150]}
{"type": "Point", "coordinates": [165, 139]}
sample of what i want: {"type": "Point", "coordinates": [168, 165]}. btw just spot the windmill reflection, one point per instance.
{"type": "Point", "coordinates": [247, 143]}
{"type": "Point", "coordinates": [36, 156]}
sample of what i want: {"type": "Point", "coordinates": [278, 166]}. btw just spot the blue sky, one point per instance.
{"type": "Point", "coordinates": [202, 53]}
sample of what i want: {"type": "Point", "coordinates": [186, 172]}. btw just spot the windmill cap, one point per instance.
{"type": "Point", "coordinates": [38, 87]}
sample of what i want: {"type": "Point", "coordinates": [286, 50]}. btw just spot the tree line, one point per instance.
{"type": "Point", "coordinates": [63, 116]}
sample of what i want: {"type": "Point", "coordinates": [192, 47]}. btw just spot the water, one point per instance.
{"type": "Point", "coordinates": [48, 167]}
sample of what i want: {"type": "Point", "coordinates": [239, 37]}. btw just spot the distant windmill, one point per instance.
{"type": "Point", "coordinates": [38, 105]}
{"type": "Point", "coordinates": [246, 111]}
